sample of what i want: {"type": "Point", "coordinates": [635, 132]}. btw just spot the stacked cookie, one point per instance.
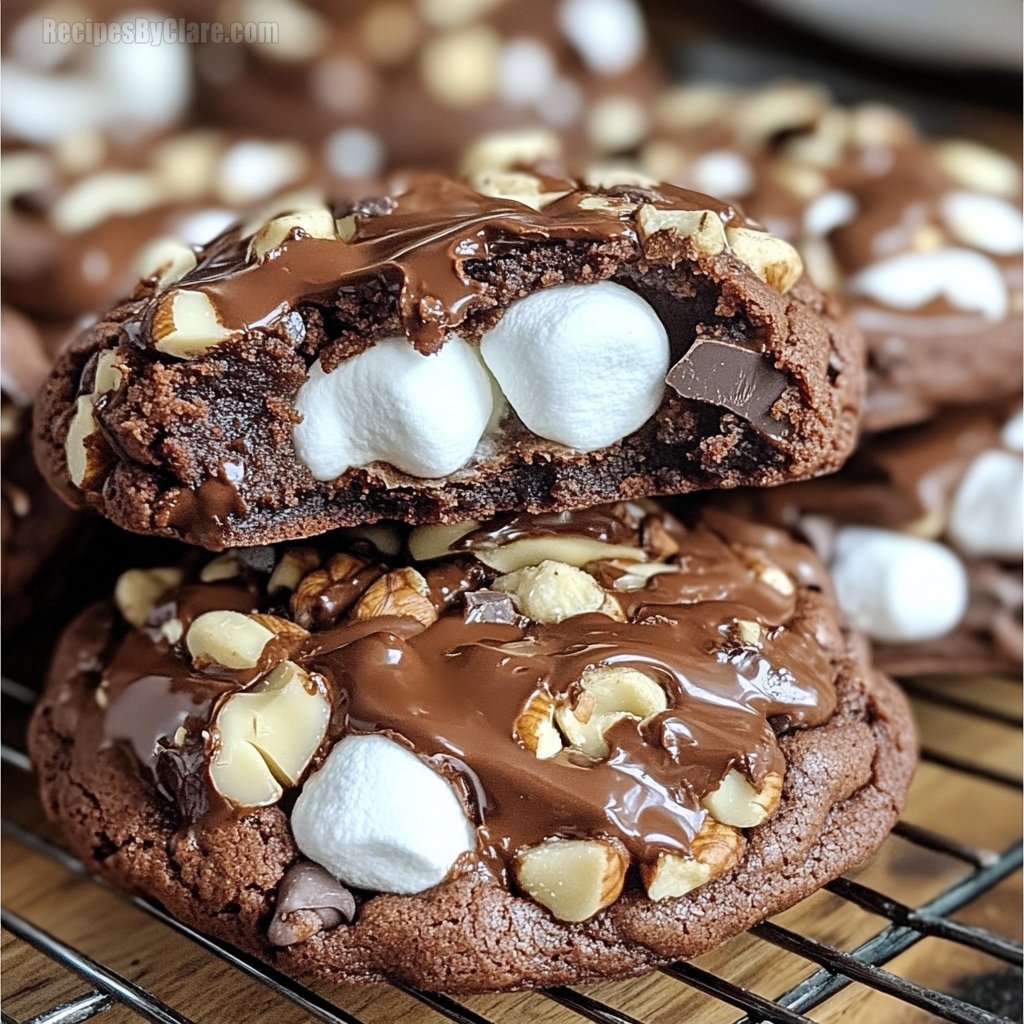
{"type": "Point", "coordinates": [436, 692]}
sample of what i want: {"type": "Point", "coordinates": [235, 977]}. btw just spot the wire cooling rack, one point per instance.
{"type": "Point", "coordinates": [973, 869]}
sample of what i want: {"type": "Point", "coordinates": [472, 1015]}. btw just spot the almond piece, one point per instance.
{"type": "Point", "coordinates": [737, 803]}
{"type": "Point", "coordinates": [138, 591]}
{"type": "Point", "coordinates": [316, 222]}
{"type": "Point", "coordinates": [577, 551]}
{"type": "Point", "coordinates": [776, 262]}
{"type": "Point", "coordinates": [714, 850]}
{"type": "Point", "coordinates": [226, 638]}
{"type": "Point", "coordinates": [187, 325]}
{"type": "Point", "coordinates": [294, 564]}
{"type": "Point", "coordinates": [435, 540]}
{"type": "Point", "coordinates": [266, 736]}
{"type": "Point", "coordinates": [573, 878]}
{"type": "Point", "coordinates": [552, 591]}
{"type": "Point", "coordinates": [535, 727]}
{"type": "Point", "coordinates": [703, 228]}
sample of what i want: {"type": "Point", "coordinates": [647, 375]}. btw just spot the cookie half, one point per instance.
{"type": "Point", "coordinates": [529, 344]}
{"type": "Point", "coordinates": [551, 749]}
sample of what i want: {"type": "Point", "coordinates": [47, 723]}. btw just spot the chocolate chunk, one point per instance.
{"type": "Point", "coordinates": [490, 606]}
{"type": "Point", "coordinates": [181, 771]}
{"type": "Point", "coordinates": [309, 899]}
{"type": "Point", "coordinates": [743, 381]}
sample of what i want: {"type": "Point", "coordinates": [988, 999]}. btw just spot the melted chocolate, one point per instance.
{"type": "Point", "coordinates": [421, 248]}
{"type": "Point", "coordinates": [454, 690]}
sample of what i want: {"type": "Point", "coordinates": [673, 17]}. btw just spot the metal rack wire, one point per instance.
{"type": "Point", "coordinates": [837, 969]}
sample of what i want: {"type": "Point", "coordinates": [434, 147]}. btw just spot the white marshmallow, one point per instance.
{"type": "Point", "coordinates": [966, 279]}
{"type": "Point", "coordinates": [609, 34]}
{"type": "Point", "coordinates": [722, 172]}
{"type": "Point", "coordinates": [204, 226]}
{"type": "Point", "coordinates": [986, 514]}
{"type": "Point", "coordinates": [583, 365]}
{"type": "Point", "coordinates": [987, 222]}
{"type": "Point", "coordinates": [378, 818]}
{"type": "Point", "coordinates": [1012, 434]}
{"type": "Point", "coordinates": [897, 587]}
{"type": "Point", "coordinates": [424, 415]}
{"type": "Point", "coordinates": [828, 212]}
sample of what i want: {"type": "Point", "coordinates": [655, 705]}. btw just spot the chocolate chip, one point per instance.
{"type": "Point", "coordinates": [740, 379]}
{"type": "Point", "coordinates": [181, 772]}
{"type": "Point", "coordinates": [490, 606]}
{"type": "Point", "coordinates": [307, 890]}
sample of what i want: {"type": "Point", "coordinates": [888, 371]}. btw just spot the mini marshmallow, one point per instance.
{"type": "Point", "coordinates": [424, 415]}
{"type": "Point", "coordinates": [354, 153]}
{"type": "Point", "coordinates": [986, 222]}
{"type": "Point", "coordinates": [583, 365]}
{"type": "Point", "coordinates": [378, 818]}
{"type": "Point", "coordinates": [966, 279]}
{"type": "Point", "coordinates": [897, 587]}
{"type": "Point", "coordinates": [255, 169]}
{"type": "Point", "coordinates": [609, 34]}
{"type": "Point", "coordinates": [828, 212]}
{"type": "Point", "coordinates": [722, 172]}
{"type": "Point", "coordinates": [986, 514]}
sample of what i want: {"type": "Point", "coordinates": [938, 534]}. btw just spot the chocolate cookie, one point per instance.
{"type": "Point", "coordinates": [552, 749]}
{"type": "Point", "coordinates": [922, 530]}
{"type": "Point", "coordinates": [446, 352]}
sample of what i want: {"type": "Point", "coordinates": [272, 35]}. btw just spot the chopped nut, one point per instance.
{"type": "Point", "coordinates": [610, 175]}
{"type": "Point", "coordinates": [573, 878]}
{"type": "Point", "coordinates": [749, 631]}
{"type": "Point", "coordinates": [388, 540]}
{"type": "Point", "coordinates": [535, 726]}
{"type": "Point", "coordinates": [91, 200]}
{"type": "Point", "coordinates": [401, 592]}
{"type": "Point", "coordinates": [138, 591]}
{"type": "Point", "coordinates": [777, 108]}
{"type": "Point", "coordinates": [658, 542]}
{"type": "Point", "coordinates": [639, 574]}
{"type": "Point", "coordinates": [223, 567]}
{"type": "Point", "coordinates": [703, 228]}
{"type": "Point", "coordinates": [615, 205]}
{"type": "Point", "coordinates": [266, 737]}
{"type": "Point", "coordinates": [737, 803]}
{"type": "Point", "coordinates": [186, 164]}
{"type": "Point", "coordinates": [577, 551]}
{"type": "Point", "coordinates": [515, 185]}
{"type": "Point", "coordinates": [774, 577]}
{"type": "Point", "coordinates": [714, 850]}
{"type": "Point", "coordinates": [552, 591]}
{"type": "Point", "coordinates": [81, 466]}
{"type": "Point", "coordinates": [110, 373]}
{"type": "Point", "coordinates": [610, 694]}
{"type": "Point", "coordinates": [690, 106]}
{"type": "Point", "coordinates": [502, 151]}
{"type": "Point", "coordinates": [616, 123]}
{"type": "Point", "coordinates": [166, 259]}
{"type": "Point", "coordinates": [226, 638]}
{"type": "Point", "coordinates": [434, 541]}
{"type": "Point", "coordinates": [776, 262]}
{"type": "Point", "coordinates": [186, 324]}
{"type": "Point", "coordinates": [294, 564]}
{"type": "Point", "coordinates": [612, 608]}
{"type": "Point", "coordinates": [172, 630]}
{"type": "Point", "coordinates": [322, 597]}
{"type": "Point", "coordinates": [317, 222]}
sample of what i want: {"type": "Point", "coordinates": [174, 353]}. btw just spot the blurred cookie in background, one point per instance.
{"type": "Point", "coordinates": [932, 266]}
{"type": "Point", "coordinates": [394, 82]}
{"type": "Point", "coordinates": [84, 219]}
{"type": "Point", "coordinates": [57, 83]}
{"type": "Point", "coordinates": [922, 533]}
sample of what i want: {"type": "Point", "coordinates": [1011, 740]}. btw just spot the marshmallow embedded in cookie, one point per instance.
{"type": "Point", "coordinates": [897, 587]}
{"type": "Point", "coordinates": [583, 365]}
{"type": "Point", "coordinates": [423, 414]}
{"type": "Point", "coordinates": [378, 818]}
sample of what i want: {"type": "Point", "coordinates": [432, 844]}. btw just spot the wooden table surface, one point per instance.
{"type": "Point", "coordinates": [972, 809]}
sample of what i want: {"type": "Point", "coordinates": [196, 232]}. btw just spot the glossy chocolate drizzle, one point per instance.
{"type": "Point", "coordinates": [454, 690]}
{"type": "Point", "coordinates": [420, 244]}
